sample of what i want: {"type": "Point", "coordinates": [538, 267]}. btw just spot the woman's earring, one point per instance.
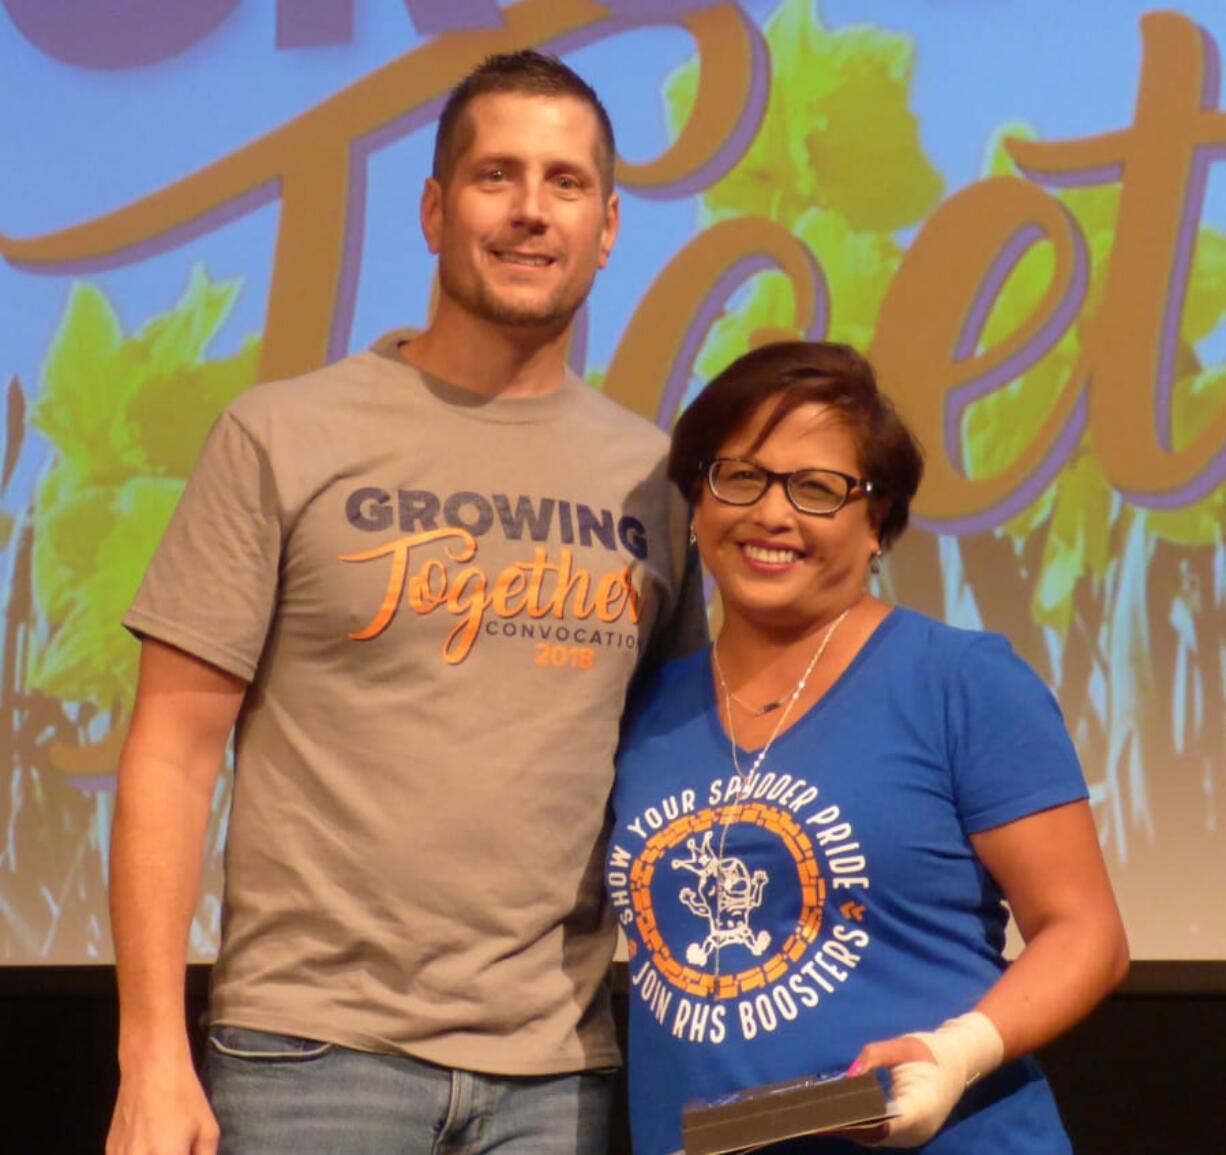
{"type": "Point", "coordinates": [874, 562]}
{"type": "Point", "coordinates": [693, 535]}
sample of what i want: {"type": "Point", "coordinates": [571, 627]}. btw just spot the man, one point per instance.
{"type": "Point", "coordinates": [420, 580]}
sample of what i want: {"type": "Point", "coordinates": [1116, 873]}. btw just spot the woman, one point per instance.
{"type": "Point", "coordinates": [817, 818]}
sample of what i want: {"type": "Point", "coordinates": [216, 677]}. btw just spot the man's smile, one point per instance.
{"type": "Point", "coordinates": [523, 260]}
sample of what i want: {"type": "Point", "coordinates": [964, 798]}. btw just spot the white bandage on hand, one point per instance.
{"type": "Point", "coordinates": [922, 1094]}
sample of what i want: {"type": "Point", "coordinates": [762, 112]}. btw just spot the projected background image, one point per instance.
{"type": "Point", "coordinates": [1012, 206]}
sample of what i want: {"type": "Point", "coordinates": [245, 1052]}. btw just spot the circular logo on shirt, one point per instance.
{"type": "Point", "coordinates": [725, 894]}
{"type": "Point", "coordinates": [744, 911]}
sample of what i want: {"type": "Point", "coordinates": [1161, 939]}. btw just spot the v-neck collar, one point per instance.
{"type": "Point", "coordinates": [711, 703]}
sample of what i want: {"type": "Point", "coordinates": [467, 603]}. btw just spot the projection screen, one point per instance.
{"type": "Point", "coordinates": [1015, 207]}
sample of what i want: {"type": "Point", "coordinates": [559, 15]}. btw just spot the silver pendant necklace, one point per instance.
{"type": "Point", "coordinates": [746, 781]}
{"type": "Point", "coordinates": [756, 711]}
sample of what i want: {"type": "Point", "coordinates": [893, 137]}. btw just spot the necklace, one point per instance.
{"type": "Point", "coordinates": [789, 698]}
{"type": "Point", "coordinates": [756, 711]}
{"type": "Point", "coordinates": [746, 781]}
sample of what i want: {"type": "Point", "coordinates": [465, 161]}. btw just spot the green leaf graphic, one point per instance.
{"type": "Point", "coordinates": [127, 416]}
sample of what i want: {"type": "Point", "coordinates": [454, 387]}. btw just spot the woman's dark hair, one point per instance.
{"type": "Point", "coordinates": [524, 73]}
{"type": "Point", "coordinates": [798, 373]}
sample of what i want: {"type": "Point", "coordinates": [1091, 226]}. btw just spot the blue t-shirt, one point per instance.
{"type": "Point", "coordinates": [854, 907]}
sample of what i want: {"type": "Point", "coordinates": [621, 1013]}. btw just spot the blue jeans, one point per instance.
{"type": "Point", "coordinates": [281, 1095]}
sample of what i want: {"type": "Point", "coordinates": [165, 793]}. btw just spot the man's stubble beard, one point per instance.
{"type": "Point", "coordinates": [553, 313]}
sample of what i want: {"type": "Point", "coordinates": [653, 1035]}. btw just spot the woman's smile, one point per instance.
{"type": "Point", "coordinates": [769, 558]}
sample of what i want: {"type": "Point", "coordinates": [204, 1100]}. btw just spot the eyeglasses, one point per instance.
{"type": "Point", "coordinates": [736, 481]}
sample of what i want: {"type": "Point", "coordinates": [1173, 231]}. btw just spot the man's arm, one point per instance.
{"type": "Point", "coordinates": [185, 709]}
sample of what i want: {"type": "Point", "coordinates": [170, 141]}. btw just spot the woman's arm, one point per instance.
{"type": "Point", "coordinates": [1051, 871]}
{"type": "Point", "coordinates": [1052, 874]}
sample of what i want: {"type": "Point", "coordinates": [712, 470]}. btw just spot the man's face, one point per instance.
{"type": "Point", "coordinates": [522, 224]}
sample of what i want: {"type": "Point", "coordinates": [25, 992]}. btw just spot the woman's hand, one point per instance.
{"type": "Point", "coordinates": [888, 1053]}
{"type": "Point", "coordinates": [928, 1073]}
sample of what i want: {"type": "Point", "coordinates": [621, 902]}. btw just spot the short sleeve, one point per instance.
{"type": "Point", "coordinates": [211, 586]}
{"type": "Point", "coordinates": [1010, 752]}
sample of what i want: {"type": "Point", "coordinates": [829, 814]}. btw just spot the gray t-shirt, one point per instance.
{"type": "Point", "coordinates": [439, 601]}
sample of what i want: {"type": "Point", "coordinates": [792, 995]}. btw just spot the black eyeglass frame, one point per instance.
{"type": "Point", "coordinates": [784, 479]}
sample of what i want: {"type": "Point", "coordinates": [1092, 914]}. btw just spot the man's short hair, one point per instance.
{"type": "Point", "coordinates": [527, 73]}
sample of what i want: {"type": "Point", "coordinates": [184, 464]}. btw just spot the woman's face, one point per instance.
{"type": "Point", "coordinates": [775, 566]}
